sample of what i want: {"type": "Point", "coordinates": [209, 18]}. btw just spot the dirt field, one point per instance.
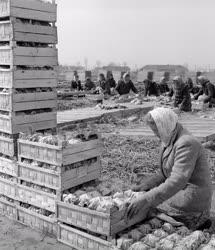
{"type": "Point", "coordinates": [15, 236]}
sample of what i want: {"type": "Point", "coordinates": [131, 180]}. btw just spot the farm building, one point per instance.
{"type": "Point", "coordinates": [159, 71]}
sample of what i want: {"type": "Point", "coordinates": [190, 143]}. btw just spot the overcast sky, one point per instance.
{"type": "Point", "coordinates": [138, 32]}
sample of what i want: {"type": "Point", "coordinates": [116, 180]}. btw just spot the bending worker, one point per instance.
{"type": "Point", "coordinates": [126, 85]}
{"type": "Point", "coordinates": [182, 95]}
{"type": "Point", "coordinates": [208, 89]}
{"type": "Point", "coordinates": [182, 188]}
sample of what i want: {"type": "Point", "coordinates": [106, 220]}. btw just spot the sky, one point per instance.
{"type": "Point", "coordinates": [137, 32]}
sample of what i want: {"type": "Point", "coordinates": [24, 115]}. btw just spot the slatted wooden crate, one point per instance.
{"type": "Point", "coordinates": [8, 167]}
{"type": "Point", "coordinates": [28, 56]}
{"type": "Point", "coordinates": [107, 224]}
{"type": "Point", "coordinates": [8, 209]}
{"type": "Point", "coordinates": [30, 9]}
{"type": "Point", "coordinates": [8, 188]}
{"type": "Point", "coordinates": [36, 197]}
{"type": "Point", "coordinates": [8, 146]}
{"type": "Point", "coordinates": [80, 240]}
{"type": "Point", "coordinates": [14, 124]}
{"type": "Point", "coordinates": [61, 179]}
{"type": "Point", "coordinates": [27, 101]}
{"type": "Point", "coordinates": [37, 221]}
{"type": "Point", "coordinates": [58, 155]}
{"type": "Point", "coordinates": [15, 30]}
{"type": "Point", "coordinates": [20, 79]}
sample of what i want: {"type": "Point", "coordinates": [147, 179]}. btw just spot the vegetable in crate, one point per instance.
{"type": "Point", "coordinates": [135, 235]}
{"type": "Point", "coordinates": [124, 244]}
{"type": "Point", "coordinates": [139, 246]}
{"type": "Point", "coordinates": [150, 240]}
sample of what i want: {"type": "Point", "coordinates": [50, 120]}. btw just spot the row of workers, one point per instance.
{"type": "Point", "coordinates": [180, 90]}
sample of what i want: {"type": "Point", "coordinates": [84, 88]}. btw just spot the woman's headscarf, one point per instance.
{"type": "Point", "coordinates": [166, 121]}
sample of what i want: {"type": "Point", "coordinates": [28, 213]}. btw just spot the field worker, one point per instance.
{"type": "Point", "coordinates": [126, 85]}
{"type": "Point", "coordinates": [163, 86]}
{"type": "Point", "coordinates": [182, 95]}
{"type": "Point", "coordinates": [76, 83]}
{"type": "Point", "coordinates": [207, 89]}
{"type": "Point", "coordinates": [151, 88]}
{"type": "Point", "coordinates": [110, 80]}
{"type": "Point", "coordinates": [182, 188]}
{"type": "Point", "coordinates": [89, 85]}
{"type": "Point", "coordinates": [104, 85]}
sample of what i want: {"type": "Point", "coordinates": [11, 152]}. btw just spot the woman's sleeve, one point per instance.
{"type": "Point", "coordinates": [152, 181]}
{"type": "Point", "coordinates": [184, 164]}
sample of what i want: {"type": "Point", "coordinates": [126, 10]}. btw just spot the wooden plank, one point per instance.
{"type": "Point", "coordinates": [37, 38]}
{"type": "Point", "coordinates": [35, 83]}
{"type": "Point", "coordinates": [34, 29]}
{"type": "Point", "coordinates": [34, 74]}
{"type": "Point", "coordinates": [33, 14]}
{"type": "Point", "coordinates": [23, 119]}
{"type": "Point", "coordinates": [22, 106]}
{"type": "Point", "coordinates": [39, 96]}
{"type": "Point", "coordinates": [81, 147]}
{"type": "Point", "coordinates": [35, 5]}
{"type": "Point", "coordinates": [69, 159]}
{"type": "Point", "coordinates": [34, 61]}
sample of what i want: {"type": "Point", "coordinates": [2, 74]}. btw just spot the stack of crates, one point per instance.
{"type": "Point", "coordinates": [28, 97]}
{"type": "Point", "coordinates": [28, 60]}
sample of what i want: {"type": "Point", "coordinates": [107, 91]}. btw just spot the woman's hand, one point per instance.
{"type": "Point", "coordinates": [139, 188]}
{"type": "Point", "coordinates": [137, 205]}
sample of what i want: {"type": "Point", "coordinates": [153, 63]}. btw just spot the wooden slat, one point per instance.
{"type": "Point", "coordinates": [34, 74]}
{"type": "Point", "coordinates": [37, 38]}
{"type": "Point", "coordinates": [22, 106]}
{"type": "Point", "coordinates": [27, 97]}
{"type": "Point", "coordinates": [35, 5]}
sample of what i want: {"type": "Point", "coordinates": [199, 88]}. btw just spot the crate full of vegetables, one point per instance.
{"type": "Point", "coordinates": [28, 56]}
{"type": "Point", "coordinates": [59, 178]}
{"type": "Point", "coordinates": [28, 31]}
{"type": "Point", "coordinates": [27, 78]}
{"type": "Point", "coordinates": [95, 213]}
{"type": "Point", "coordinates": [36, 195]}
{"type": "Point", "coordinates": [32, 9]}
{"type": "Point", "coordinates": [59, 151]}
{"type": "Point", "coordinates": [27, 99]}
{"type": "Point", "coordinates": [34, 218]}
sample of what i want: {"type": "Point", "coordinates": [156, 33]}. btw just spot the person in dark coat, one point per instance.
{"type": "Point", "coordinates": [182, 95]}
{"type": "Point", "coordinates": [208, 89]}
{"type": "Point", "coordinates": [110, 80]}
{"type": "Point", "coordinates": [182, 188]}
{"type": "Point", "coordinates": [89, 84]}
{"type": "Point", "coordinates": [126, 85]}
{"type": "Point", "coordinates": [151, 88]}
{"type": "Point", "coordinates": [104, 85]}
{"type": "Point", "coordinates": [76, 83]}
{"type": "Point", "coordinates": [163, 86]}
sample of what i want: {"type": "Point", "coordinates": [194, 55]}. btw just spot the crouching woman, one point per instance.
{"type": "Point", "coordinates": [182, 188]}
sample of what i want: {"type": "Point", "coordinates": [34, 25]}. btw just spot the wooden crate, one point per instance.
{"type": "Point", "coordinates": [37, 221]}
{"type": "Point", "coordinates": [28, 56]}
{"type": "Point", "coordinates": [28, 79]}
{"type": "Point", "coordinates": [27, 101]}
{"type": "Point", "coordinates": [14, 30]}
{"type": "Point", "coordinates": [14, 124]}
{"type": "Point", "coordinates": [213, 200]}
{"type": "Point", "coordinates": [93, 221]}
{"type": "Point", "coordinates": [211, 158]}
{"type": "Point", "coordinates": [80, 240]}
{"type": "Point", "coordinates": [8, 146]}
{"type": "Point", "coordinates": [36, 198]}
{"type": "Point", "coordinates": [8, 167]}
{"type": "Point", "coordinates": [61, 179]}
{"type": "Point", "coordinates": [31, 9]}
{"type": "Point", "coordinates": [8, 209]}
{"type": "Point", "coordinates": [57, 155]}
{"type": "Point", "coordinates": [8, 188]}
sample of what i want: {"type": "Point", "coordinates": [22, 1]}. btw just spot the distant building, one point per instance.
{"type": "Point", "coordinates": [67, 72]}
{"type": "Point", "coordinates": [159, 71]}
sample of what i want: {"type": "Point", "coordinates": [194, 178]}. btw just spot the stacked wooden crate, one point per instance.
{"type": "Point", "coordinates": [28, 99]}
{"type": "Point", "coordinates": [28, 60]}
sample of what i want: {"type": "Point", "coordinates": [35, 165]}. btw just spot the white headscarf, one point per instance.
{"type": "Point", "coordinates": [166, 121]}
